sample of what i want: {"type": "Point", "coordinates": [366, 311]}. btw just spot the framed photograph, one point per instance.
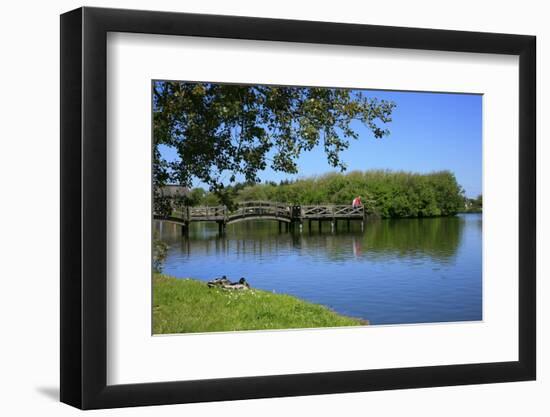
{"type": "Point", "coordinates": [260, 208]}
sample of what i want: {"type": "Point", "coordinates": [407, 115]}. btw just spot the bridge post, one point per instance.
{"type": "Point", "coordinates": [221, 227]}
{"type": "Point", "coordinates": [280, 226]}
{"type": "Point", "coordinates": [185, 228]}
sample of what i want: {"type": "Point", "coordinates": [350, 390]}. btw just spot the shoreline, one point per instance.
{"type": "Point", "coordinates": [189, 306]}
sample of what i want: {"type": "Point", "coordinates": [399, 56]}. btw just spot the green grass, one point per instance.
{"type": "Point", "coordinates": [189, 306]}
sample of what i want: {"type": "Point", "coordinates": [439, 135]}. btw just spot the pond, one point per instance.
{"type": "Point", "coordinates": [393, 271]}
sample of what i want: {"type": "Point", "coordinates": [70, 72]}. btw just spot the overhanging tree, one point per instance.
{"type": "Point", "coordinates": [222, 132]}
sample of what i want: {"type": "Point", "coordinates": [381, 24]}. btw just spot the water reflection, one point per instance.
{"type": "Point", "coordinates": [382, 239]}
{"type": "Point", "coordinates": [395, 271]}
{"type": "Point", "coordinates": [437, 238]}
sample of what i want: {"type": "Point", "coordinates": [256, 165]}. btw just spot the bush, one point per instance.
{"type": "Point", "coordinates": [160, 250]}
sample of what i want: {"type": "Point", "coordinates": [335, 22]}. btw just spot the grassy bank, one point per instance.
{"type": "Point", "coordinates": [189, 306]}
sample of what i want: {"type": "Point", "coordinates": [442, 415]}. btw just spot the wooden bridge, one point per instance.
{"type": "Point", "coordinates": [285, 214]}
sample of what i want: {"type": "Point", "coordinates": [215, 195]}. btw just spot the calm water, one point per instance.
{"type": "Point", "coordinates": [396, 271]}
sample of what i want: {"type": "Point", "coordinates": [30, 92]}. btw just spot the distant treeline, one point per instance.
{"type": "Point", "coordinates": [473, 205]}
{"type": "Point", "coordinates": [385, 193]}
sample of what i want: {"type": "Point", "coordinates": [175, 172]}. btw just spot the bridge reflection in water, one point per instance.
{"type": "Point", "coordinates": [382, 239]}
{"type": "Point", "coordinates": [287, 215]}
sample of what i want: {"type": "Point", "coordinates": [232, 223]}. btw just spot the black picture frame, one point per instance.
{"type": "Point", "coordinates": [84, 207]}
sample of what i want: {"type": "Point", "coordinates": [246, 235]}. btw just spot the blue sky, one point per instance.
{"type": "Point", "coordinates": [429, 132]}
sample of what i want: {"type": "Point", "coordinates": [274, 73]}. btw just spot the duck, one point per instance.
{"type": "Point", "coordinates": [243, 282]}
{"type": "Point", "coordinates": [219, 282]}
{"type": "Point", "coordinates": [225, 283]}
{"type": "Point", "coordinates": [240, 285]}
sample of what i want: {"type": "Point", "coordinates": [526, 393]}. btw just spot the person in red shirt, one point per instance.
{"type": "Point", "coordinates": [356, 202]}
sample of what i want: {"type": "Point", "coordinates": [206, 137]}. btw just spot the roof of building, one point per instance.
{"type": "Point", "coordinates": [172, 190]}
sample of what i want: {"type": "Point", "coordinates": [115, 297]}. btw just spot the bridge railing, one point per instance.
{"type": "Point", "coordinates": [262, 203]}
{"type": "Point", "coordinates": [260, 208]}
{"type": "Point", "coordinates": [200, 213]}
{"type": "Point", "coordinates": [208, 213]}
{"type": "Point", "coordinates": [316, 211]}
{"type": "Point", "coordinates": [331, 211]}
{"type": "Point", "coordinates": [349, 211]}
{"type": "Point", "coordinates": [268, 208]}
